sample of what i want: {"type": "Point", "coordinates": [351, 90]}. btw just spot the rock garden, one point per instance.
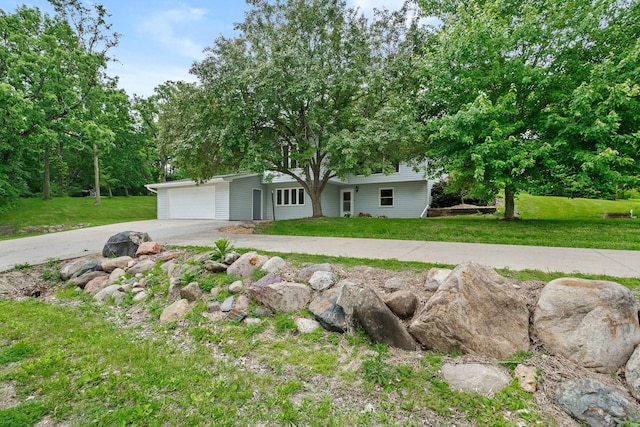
{"type": "Point", "coordinates": [571, 343]}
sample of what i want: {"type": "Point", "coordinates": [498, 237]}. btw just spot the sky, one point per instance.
{"type": "Point", "coordinates": [161, 39]}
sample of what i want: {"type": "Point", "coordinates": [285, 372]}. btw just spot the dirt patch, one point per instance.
{"type": "Point", "coordinates": [237, 229]}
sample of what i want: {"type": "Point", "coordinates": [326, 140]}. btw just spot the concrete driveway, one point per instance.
{"type": "Point", "coordinates": [71, 244]}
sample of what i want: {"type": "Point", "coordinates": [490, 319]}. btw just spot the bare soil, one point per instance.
{"type": "Point", "coordinates": [36, 282]}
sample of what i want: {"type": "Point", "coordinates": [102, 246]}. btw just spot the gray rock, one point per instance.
{"type": "Point", "coordinates": [142, 267]}
{"type": "Point", "coordinates": [168, 256]}
{"type": "Point", "coordinates": [322, 280]}
{"type": "Point", "coordinates": [402, 303]}
{"type": "Point", "coordinates": [213, 306]}
{"type": "Point", "coordinates": [475, 377]}
{"type": "Point", "coordinates": [236, 287]}
{"type": "Point", "coordinates": [327, 312]}
{"type": "Point", "coordinates": [227, 304]}
{"type": "Point", "coordinates": [87, 267]}
{"type": "Point", "coordinates": [474, 311]}
{"type": "Point", "coordinates": [594, 403]}
{"type": "Point", "coordinates": [110, 264]}
{"type": "Point", "coordinates": [69, 269]}
{"type": "Point", "coordinates": [124, 243]}
{"type": "Point", "coordinates": [435, 277]}
{"type": "Point", "coordinates": [176, 311]}
{"type": "Point", "coordinates": [286, 297]}
{"type": "Point", "coordinates": [375, 317]}
{"type": "Point", "coordinates": [246, 264]}
{"type": "Point", "coordinates": [174, 290]}
{"type": "Point", "coordinates": [274, 264]}
{"type": "Point", "coordinates": [593, 323]}
{"type": "Point", "coordinates": [305, 274]}
{"type": "Point", "coordinates": [394, 284]}
{"type": "Point", "coordinates": [116, 275]}
{"type": "Point", "coordinates": [632, 373]}
{"type": "Point", "coordinates": [231, 257]}
{"type": "Point", "coordinates": [140, 296]}
{"type": "Point", "coordinates": [306, 326]}
{"type": "Point", "coordinates": [107, 292]}
{"type": "Point", "coordinates": [192, 292]}
{"type": "Point", "coordinates": [215, 267]}
{"type": "Point", "coordinates": [242, 303]}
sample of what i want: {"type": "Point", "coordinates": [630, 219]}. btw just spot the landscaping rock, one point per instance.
{"type": "Point", "coordinates": [149, 248]}
{"type": "Point", "coordinates": [285, 297]}
{"type": "Point", "coordinates": [527, 377]}
{"type": "Point", "coordinates": [402, 303]}
{"type": "Point", "coordinates": [305, 274]}
{"type": "Point", "coordinates": [394, 284]}
{"type": "Point", "coordinates": [82, 281]}
{"type": "Point", "coordinates": [87, 267]}
{"type": "Point", "coordinates": [110, 264]}
{"type": "Point", "coordinates": [167, 256]}
{"type": "Point", "coordinates": [375, 317]}
{"type": "Point", "coordinates": [246, 264]}
{"type": "Point", "coordinates": [306, 326]}
{"type": "Point", "coordinates": [235, 315]}
{"type": "Point", "coordinates": [116, 275]}
{"type": "Point", "coordinates": [140, 297]}
{"type": "Point", "coordinates": [256, 288]}
{"type": "Point", "coordinates": [213, 306]}
{"type": "Point", "coordinates": [242, 303]}
{"type": "Point", "coordinates": [474, 311]}
{"type": "Point", "coordinates": [142, 267]}
{"type": "Point", "coordinates": [593, 323]}
{"type": "Point", "coordinates": [192, 292]}
{"type": "Point", "coordinates": [475, 377]}
{"type": "Point", "coordinates": [227, 304]}
{"type": "Point", "coordinates": [107, 292]}
{"type": "Point", "coordinates": [69, 269]}
{"type": "Point", "coordinates": [595, 403]}
{"type": "Point", "coordinates": [176, 311]}
{"type": "Point", "coordinates": [327, 312]}
{"type": "Point", "coordinates": [274, 264]}
{"type": "Point", "coordinates": [96, 285]}
{"type": "Point", "coordinates": [124, 243]}
{"type": "Point", "coordinates": [231, 257]}
{"type": "Point", "coordinates": [215, 267]}
{"type": "Point", "coordinates": [236, 287]}
{"type": "Point", "coordinates": [322, 280]}
{"type": "Point", "coordinates": [435, 277]}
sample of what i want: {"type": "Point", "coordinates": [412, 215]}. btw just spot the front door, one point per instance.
{"type": "Point", "coordinates": [257, 204]}
{"type": "Point", "coordinates": [346, 204]}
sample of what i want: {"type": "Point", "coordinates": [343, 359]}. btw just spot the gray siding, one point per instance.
{"type": "Point", "coordinates": [331, 200]}
{"type": "Point", "coordinates": [405, 173]}
{"type": "Point", "coordinates": [241, 198]}
{"type": "Point", "coordinates": [286, 212]}
{"type": "Point", "coordinates": [409, 199]}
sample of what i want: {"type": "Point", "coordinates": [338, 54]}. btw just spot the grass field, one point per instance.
{"type": "Point", "coordinates": [545, 221]}
{"type": "Point", "coordinates": [70, 211]}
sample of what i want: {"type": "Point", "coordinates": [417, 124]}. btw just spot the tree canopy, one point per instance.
{"type": "Point", "coordinates": [308, 88]}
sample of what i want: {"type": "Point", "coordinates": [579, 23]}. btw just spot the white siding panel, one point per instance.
{"type": "Point", "coordinates": [222, 201]}
{"type": "Point", "coordinates": [192, 203]}
{"type": "Point", "coordinates": [163, 204]}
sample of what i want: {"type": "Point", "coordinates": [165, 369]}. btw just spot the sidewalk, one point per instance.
{"type": "Point", "coordinates": [70, 244]}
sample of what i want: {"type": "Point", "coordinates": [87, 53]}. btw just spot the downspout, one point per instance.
{"type": "Point", "coordinates": [150, 189]}
{"type": "Point", "coordinates": [424, 212]}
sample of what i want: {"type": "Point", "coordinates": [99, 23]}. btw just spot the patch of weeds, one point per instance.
{"type": "Point", "coordinates": [155, 309]}
{"type": "Point", "coordinates": [223, 295]}
{"type": "Point", "coordinates": [222, 247]}
{"type": "Point", "coordinates": [50, 276]}
{"type": "Point", "coordinates": [15, 353]}
{"type": "Point", "coordinates": [284, 323]}
{"type": "Point", "coordinates": [207, 283]}
{"type": "Point", "coordinates": [69, 291]}
{"type": "Point", "coordinates": [375, 368]}
{"type": "Point", "coordinates": [516, 359]}
{"type": "Point", "coordinates": [53, 262]}
{"type": "Point", "coordinates": [22, 266]}
{"type": "Point", "coordinates": [25, 415]}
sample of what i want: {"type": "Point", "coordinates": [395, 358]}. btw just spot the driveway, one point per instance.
{"type": "Point", "coordinates": [71, 244]}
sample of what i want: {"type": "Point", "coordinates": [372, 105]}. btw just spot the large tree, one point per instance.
{"type": "Point", "coordinates": [493, 75]}
{"type": "Point", "coordinates": [50, 66]}
{"type": "Point", "coordinates": [308, 88]}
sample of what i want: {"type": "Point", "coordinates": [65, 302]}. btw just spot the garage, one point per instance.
{"type": "Point", "coordinates": [192, 202]}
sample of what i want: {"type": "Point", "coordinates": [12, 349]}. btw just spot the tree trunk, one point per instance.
{"type": "Point", "coordinates": [316, 201]}
{"type": "Point", "coordinates": [46, 185]}
{"type": "Point", "coordinates": [509, 204]}
{"type": "Point", "coordinates": [96, 172]}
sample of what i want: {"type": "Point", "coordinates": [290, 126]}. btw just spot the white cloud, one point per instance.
{"type": "Point", "coordinates": [142, 79]}
{"type": "Point", "coordinates": [170, 29]}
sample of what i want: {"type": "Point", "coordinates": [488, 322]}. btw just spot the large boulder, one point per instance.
{"type": "Point", "coordinates": [285, 297]}
{"type": "Point", "coordinates": [632, 373]}
{"type": "Point", "coordinates": [374, 316]}
{"type": "Point", "coordinates": [246, 264]}
{"type": "Point", "coordinates": [125, 243]}
{"type": "Point", "coordinates": [595, 403]}
{"type": "Point", "coordinates": [593, 323]}
{"type": "Point", "coordinates": [475, 310]}
{"type": "Point", "coordinates": [327, 312]}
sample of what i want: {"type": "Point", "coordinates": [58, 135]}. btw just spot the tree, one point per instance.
{"type": "Point", "coordinates": [49, 66]}
{"type": "Point", "coordinates": [306, 89]}
{"type": "Point", "coordinates": [492, 76]}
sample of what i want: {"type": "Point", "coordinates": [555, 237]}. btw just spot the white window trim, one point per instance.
{"type": "Point", "coordinates": [393, 197]}
{"type": "Point", "coordinates": [290, 190]}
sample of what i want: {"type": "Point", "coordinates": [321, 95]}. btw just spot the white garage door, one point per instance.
{"type": "Point", "coordinates": [192, 203]}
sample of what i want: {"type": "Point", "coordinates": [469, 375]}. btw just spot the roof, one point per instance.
{"type": "Point", "coordinates": [211, 181]}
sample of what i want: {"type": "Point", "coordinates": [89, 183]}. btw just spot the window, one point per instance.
{"type": "Point", "coordinates": [289, 197]}
{"type": "Point", "coordinates": [386, 197]}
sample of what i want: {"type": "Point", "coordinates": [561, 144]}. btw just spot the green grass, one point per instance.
{"type": "Point", "coordinates": [546, 221]}
{"type": "Point", "coordinates": [70, 211]}
{"type": "Point", "coordinates": [73, 365]}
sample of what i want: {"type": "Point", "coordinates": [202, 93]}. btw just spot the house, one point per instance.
{"type": "Point", "coordinates": [403, 194]}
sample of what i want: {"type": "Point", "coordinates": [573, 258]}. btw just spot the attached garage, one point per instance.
{"type": "Point", "coordinates": [192, 202]}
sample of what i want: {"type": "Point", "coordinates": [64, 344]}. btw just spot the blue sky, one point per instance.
{"type": "Point", "coordinates": [161, 39]}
